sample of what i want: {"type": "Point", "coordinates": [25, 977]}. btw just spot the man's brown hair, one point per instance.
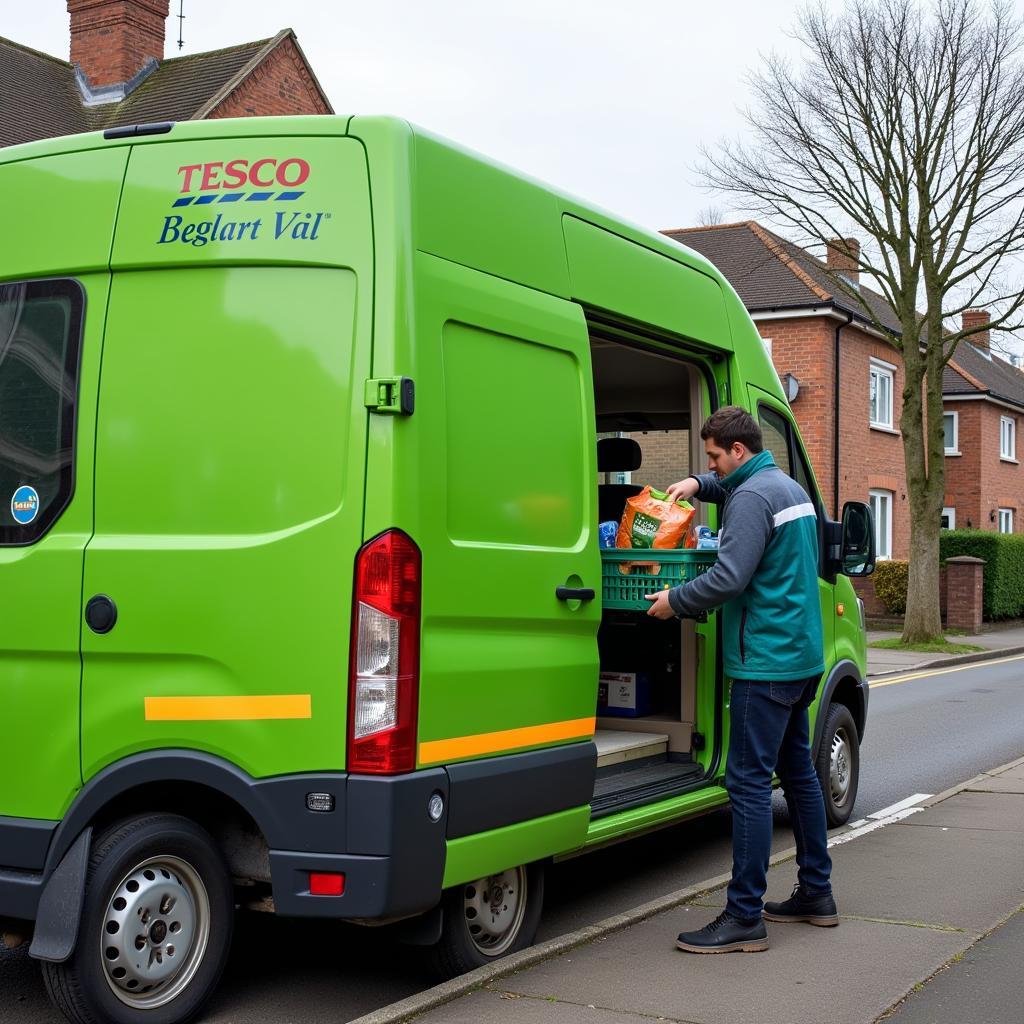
{"type": "Point", "coordinates": [730, 424]}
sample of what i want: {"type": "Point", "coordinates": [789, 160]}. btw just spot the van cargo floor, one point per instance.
{"type": "Point", "coordinates": [615, 746]}
{"type": "Point", "coordinates": [636, 782]}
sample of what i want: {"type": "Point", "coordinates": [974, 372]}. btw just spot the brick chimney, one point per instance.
{"type": "Point", "coordinates": [975, 318]}
{"type": "Point", "coordinates": [842, 256]}
{"type": "Point", "coordinates": [111, 40]}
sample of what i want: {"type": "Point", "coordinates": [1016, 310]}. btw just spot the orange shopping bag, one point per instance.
{"type": "Point", "coordinates": [653, 520]}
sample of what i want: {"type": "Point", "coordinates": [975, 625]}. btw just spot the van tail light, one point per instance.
{"type": "Point", "coordinates": [384, 677]}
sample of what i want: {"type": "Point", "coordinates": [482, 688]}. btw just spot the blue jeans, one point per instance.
{"type": "Point", "coordinates": [769, 733]}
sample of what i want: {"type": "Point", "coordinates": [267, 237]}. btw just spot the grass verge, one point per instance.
{"type": "Point", "coordinates": [937, 647]}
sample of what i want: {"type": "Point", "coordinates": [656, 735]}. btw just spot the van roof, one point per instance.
{"type": "Point", "coordinates": [328, 125]}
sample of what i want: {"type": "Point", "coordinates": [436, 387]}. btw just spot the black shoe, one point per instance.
{"type": "Point", "coordinates": [725, 934]}
{"type": "Point", "coordinates": [819, 910]}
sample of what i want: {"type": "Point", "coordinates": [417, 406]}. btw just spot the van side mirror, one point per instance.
{"type": "Point", "coordinates": [857, 541]}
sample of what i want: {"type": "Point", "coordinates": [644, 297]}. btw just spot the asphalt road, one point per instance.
{"type": "Point", "coordinates": [924, 735]}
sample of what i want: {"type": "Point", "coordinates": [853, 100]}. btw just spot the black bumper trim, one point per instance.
{"type": "Point", "coordinates": [380, 834]}
{"type": "Point", "coordinates": [373, 887]}
{"type": "Point", "coordinates": [24, 842]}
{"type": "Point", "coordinates": [20, 892]}
{"type": "Point", "coordinates": [500, 791]}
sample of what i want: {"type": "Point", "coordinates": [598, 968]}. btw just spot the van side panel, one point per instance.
{"type": "Point", "coordinates": [244, 201]}
{"type": "Point", "coordinates": [228, 510]}
{"type": "Point", "coordinates": [481, 215]}
{"type": "Point", "coordinates": [41, 601]}
{"type": "Point", "coordinates": [231, 444]}
{"type": "Point", "coordinates": [505, 461]}
{"type": "Point", "coordinates": [59, 212]}
{"type": "Point", "coordinates": [612, 273]}
{"type": "Point", "coordinates": [58, 219]}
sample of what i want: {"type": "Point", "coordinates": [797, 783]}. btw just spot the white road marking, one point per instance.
{"type": "Point", "coordinates": [909, 802]}
{"type": "Point", "coordinates": [845, 837]}
{"type": "Point", "coordinates": [907, 677]}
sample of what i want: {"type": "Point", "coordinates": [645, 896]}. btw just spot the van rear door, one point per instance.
{"type": "Point", "coordinates": [231, 446]}
{"type": "Point", "coordinates": [58, 217]}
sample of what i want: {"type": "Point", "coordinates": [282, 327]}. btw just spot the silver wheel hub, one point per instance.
{"type": "Point", "coordinates": [155, 932]}
{"type": "Point", "coordinates": [839, 767]}
{"type": "Point", "coordinates": [494, 909]}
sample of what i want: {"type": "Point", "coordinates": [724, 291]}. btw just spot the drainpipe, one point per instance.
{"type": "Point", "coordinates": [835, 438]}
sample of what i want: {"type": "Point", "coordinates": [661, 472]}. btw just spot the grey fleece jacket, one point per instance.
{"type": "Point", "coordinates": [766, 576]}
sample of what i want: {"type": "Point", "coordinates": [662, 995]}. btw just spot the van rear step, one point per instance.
{"type": "Point", "coordinates": [617, 745]}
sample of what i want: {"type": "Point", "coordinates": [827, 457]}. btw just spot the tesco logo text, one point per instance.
{"type": "Point", "coordinates": [265, 173]}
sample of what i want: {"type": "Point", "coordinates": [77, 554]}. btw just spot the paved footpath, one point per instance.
{"type": "Point", "coordinates": [939, 888]}
{"type": "Point", "coordinates": [997, 640]}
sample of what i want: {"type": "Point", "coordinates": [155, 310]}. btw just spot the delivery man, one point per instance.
{"type": "Point", "coordinates": [766, 579]}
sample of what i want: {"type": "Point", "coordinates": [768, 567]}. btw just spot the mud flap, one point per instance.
{"type": "Point", "coordinates": [60, 906]}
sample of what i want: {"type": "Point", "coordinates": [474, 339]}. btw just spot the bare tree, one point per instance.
{"type": "Point", "coordinates": [904, 124]}
{"type": "Point", "coordinates": [709, 216]}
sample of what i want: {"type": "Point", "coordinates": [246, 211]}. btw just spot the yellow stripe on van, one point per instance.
{"type": "Point", "coordinates": [228, 709]}
{"type": "Point", "coordinates": [436, 751]}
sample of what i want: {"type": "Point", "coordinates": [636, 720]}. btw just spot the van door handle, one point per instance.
{"type": "Point", "coordinates": [574, 593]}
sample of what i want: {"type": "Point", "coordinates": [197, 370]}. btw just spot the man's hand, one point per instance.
{"type": "Point", "coordinates": [683, 490]}
{"type": "Point", "coordinates": [660, 608]}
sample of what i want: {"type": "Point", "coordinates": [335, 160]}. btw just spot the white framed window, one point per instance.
{"type": "Point", "coordinates": [768, 345]}
{"type": "Point", "coordinates": [948, 521]}
{"type": "Point", "coordinates": [1006, 520]}
{"type": "Point", "coordinates": [881, 394]}
{"type": "Point", "coordinates": [881, 511]}
{"type": "Point", "coordinates": [951, 432]}
{"type": "Point", "coordinates": [1007, 437]}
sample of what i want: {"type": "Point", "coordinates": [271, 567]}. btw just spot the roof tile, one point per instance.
{"type": "Point", "coordinates": [39, 97]}
{"type": "Point", "coordinates": [771, 273]}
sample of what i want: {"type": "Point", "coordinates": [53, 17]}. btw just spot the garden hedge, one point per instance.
{"type": "Point", "coordinates": [1004, 567]}
{"type": "Point", "coordinates": [890, 579]}
{"type": "Point", "coordinates": [1004, 571]}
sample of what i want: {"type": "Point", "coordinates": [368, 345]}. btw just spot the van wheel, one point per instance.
{"type": "Point", "coordinates": [488, 919]}
{"type": "Point", "coordinates": [838, 764]}
{"type": "Point", "coordinates": [155, 930]}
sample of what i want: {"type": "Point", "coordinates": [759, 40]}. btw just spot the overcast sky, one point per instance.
{"type": "Point", "coordinates": [607, 100]}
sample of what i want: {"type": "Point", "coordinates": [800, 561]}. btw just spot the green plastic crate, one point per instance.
{"type": "Point", "coordinates": [629, 573]}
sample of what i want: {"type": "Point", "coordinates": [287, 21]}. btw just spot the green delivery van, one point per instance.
{"type": "Point", "coordinates": [306, 429]}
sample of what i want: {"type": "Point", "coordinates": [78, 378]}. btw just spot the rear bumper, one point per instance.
{"type": "Point", "coordinates": [394, 859]}
{"type": "Point", "coordinates": [379, 834]}
{"type": "Point", "coordinates": [391, 853]}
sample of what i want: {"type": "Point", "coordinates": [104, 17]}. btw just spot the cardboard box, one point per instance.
{"type": "Point", "coordinates": [624, 694]}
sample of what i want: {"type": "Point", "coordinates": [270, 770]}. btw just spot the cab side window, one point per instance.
{"type": "Point", "coordinates": [780, 440]}
{"type": "Point", "coordinates": [775, 432]}
{"type": "Point", "coordinates": [40, 342]}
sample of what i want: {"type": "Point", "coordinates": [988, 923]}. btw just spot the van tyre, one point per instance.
{"type": "Point", "coordinates": [488, 919]}
{"type": "Point", "coordinates": [838, 764]}
{"type": "Point", "coordinates": [156, 926]}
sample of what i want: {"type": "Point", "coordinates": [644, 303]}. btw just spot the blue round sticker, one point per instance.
{"type": "Point", "coordinates": [25, 504]}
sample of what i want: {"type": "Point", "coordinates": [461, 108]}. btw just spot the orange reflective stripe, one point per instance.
{"type": "Point", "coordinates": [435, 751]}
{"type": "Point", "coordinates": [224, 709]}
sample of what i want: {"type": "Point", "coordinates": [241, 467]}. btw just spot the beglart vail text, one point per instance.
{"type": "Point", "coordinates": [303, 227]}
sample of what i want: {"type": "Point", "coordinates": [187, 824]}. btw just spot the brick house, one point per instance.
{"type": "Point", "coordinates": [850, 383]}
{"type": "Point", "coordinates": [117, 75]}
